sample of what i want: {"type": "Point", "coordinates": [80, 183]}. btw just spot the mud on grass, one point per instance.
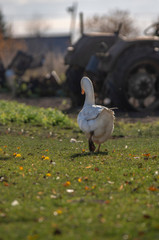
{"type": "Point", "coordinates": [53, 188]}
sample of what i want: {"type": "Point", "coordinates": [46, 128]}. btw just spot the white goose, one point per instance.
{"type": "Point", "coordinates": [97, 122]}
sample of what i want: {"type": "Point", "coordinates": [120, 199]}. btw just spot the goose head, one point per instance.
{"type": "Point", "coordinates": [87, 88]}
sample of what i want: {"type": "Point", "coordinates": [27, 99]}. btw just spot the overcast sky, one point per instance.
{"type": "Point", "coordinates": [54, 12]}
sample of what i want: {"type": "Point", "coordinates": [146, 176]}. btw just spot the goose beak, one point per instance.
{"type": "Point", "coordinates": [82, 92]}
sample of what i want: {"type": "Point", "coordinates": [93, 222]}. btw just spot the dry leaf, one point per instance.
{"type": "Point", "coordinates": [152, 188]}
{"type": "Point", "coordinates": [96, 169]}
{"type": "Point", "coordinates": [121, 187]}
{"type": "Point", "coordinates": [88, 166]}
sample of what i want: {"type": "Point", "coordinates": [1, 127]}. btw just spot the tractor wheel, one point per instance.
{"type": "Point", "coordinates": [73, 78]}
{"type": "Point", "coordinates": [134, 82]}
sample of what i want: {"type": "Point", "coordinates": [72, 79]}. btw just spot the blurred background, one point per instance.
{"type": "Point", "coordinates": [36, 36]}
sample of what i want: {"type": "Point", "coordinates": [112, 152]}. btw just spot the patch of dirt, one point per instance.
{"type": "Point", "coordinates": [132, 117]}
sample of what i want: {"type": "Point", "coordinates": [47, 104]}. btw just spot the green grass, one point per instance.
{"type": "Point", "coordinates": [13, 112]}
{"type": "Point", "coordinates": [72, 194]}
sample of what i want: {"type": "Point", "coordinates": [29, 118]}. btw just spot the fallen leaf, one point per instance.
{"type": "Point", "coordinates": [57, 212]}
{"type": "Point", "coordinates": [79, 179]}
{"type": "Point", "coordinates": [146, 154]}
{"type": "Point", "coordinates": [48, 174]}
{"type": "Point", "coordinates": [88, 166]}
{"type": "Point", "coordinates": [152, 188]}
{"type": "Point", "coordinates": [66, 184]}
{"type": "Point", "coordinates": [40, 193]}
{"type": "Point", "coordinates": [6, 184]}
{"type": "Point", "coordinates": [96, 169]}
{"type": "Point", "coordinates": [146, 216]}
{"type": "Point", "coordinates": [85, 178]}
{"type": "Point", "coordinates": [121, 187]}
{"type": "Point", "coordinates": [18, 155]}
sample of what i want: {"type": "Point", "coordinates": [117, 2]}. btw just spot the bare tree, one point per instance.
{"type": "Point", "coordinates": [110, 23]}
{"type": "Point", "coordinates": [153, 28]}
{"type": "Point", "coordinates": [37, 26]}
{"type": "Point", "coordinates": [3, 27]}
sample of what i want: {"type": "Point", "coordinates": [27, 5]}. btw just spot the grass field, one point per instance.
{"type": "Point", "coordinates": [51, 187]}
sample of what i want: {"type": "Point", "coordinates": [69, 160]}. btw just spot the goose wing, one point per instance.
{"type": "Point", "coordinates": [91, 112]}
{"type": "Point", "coordinates": [87, 117]}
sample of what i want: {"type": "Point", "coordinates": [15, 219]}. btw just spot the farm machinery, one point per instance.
{"type": "Point", "coordinates": [125, 72]}
{"type": "Point", "coordinates": [11, 77]}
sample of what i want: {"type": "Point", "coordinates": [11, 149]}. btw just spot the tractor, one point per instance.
{"type": "Point", "coordinates": [124, 72]}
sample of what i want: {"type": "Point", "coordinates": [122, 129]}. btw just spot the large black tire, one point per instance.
{"type": "Point", "coordinates": [134, 82]}
{"type": "Point", "coordinates": [73, 78]}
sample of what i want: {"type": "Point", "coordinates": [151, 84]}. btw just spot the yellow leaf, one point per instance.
{"type": "Point", "coordinates": [67, 183]}
{"type": "Point", "coordinates": [88, 166]}
{"type": "Point", "coordinates": [48, 174]}
{"type": "Point", "coordinates": [79, 180]}
{"type": "Point", "coordinates": [58, 212]}
{"type": "Point", "coordinates": [18, 155]}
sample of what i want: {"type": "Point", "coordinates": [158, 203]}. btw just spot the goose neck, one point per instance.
{"type": "Point", "coordinates": [89, 99]}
